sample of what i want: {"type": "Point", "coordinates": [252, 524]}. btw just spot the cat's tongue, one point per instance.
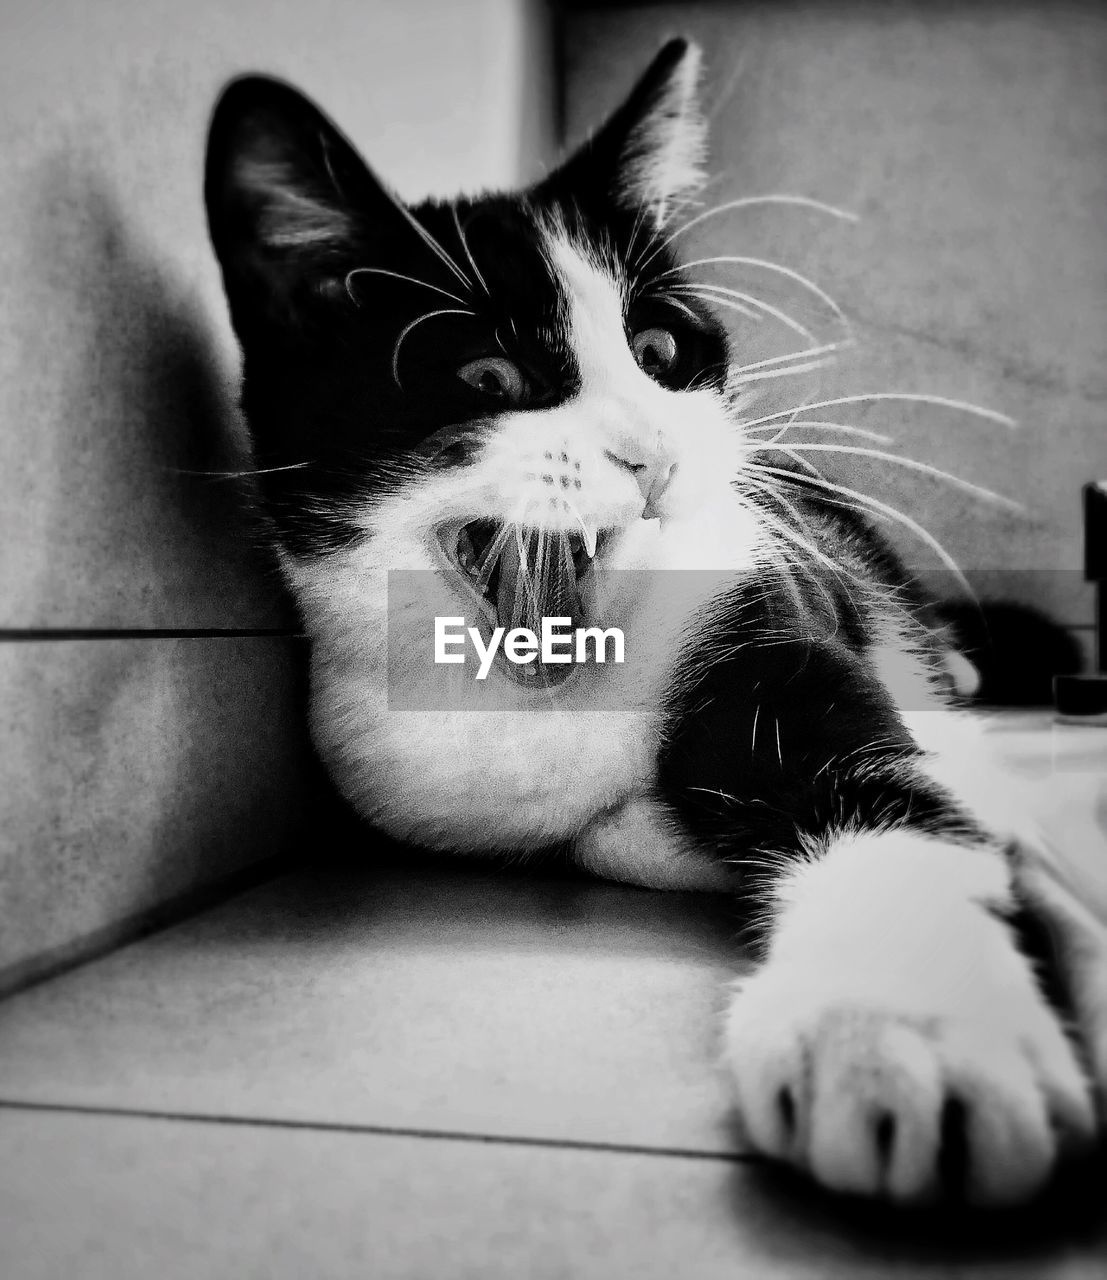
{"type": "Point", "coordinates": [538, 579]}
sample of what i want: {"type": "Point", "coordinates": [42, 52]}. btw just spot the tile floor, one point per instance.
{"type": "Point", "coordinates": [433, 1072]}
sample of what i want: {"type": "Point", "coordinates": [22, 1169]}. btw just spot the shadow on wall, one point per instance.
{"type": "Point", "coordinates": [135, 769]}
{"type": "Point", "coordinates": [146, 442]}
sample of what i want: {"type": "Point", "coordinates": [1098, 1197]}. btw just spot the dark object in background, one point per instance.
{"type": "Point", "coordinates": [1083, 699]}
{"type": "Point", "coordinates": [1016, 649]}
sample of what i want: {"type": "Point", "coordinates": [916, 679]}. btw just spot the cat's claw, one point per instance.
{"type": "Point", "coordinates": [913, 1109]}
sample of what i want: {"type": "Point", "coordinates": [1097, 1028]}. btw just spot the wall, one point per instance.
{"type": "Point", "coordinates": [972, 142]}
{"type": "Point", "coordinates": [149, 735]}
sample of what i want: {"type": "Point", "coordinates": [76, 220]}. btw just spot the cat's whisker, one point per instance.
{"type": "Point", "coordinates": [588, 532]}
{"type": "Point", "coordinates": [398, 275]}
{"type": "Point", "coordinates": [544, 547]}
{"type": "Point", "coordinates": [432, 244]}
{"type": "Point", "coordinates": [816, 425]}
{"type": "Point", "coordinates": [766, 265]}
{"type": "Point", "coordinates": [732, 298]}
{"type": "Point", "coordinates": [766, 375]}
{"type": "Point", "coordinates": [883, 508]}
{"type": "Point", "coordinates": [680, 306]}
{"type": "Point", "coordinates": [740, 301]}
{"type": "Point", "coordinates": [468, 252]}
{"type": "Point", "coordinates": [430, 315]}
{"type": "Point", "coordinates": [701, 379]}
{"type": "Point", "coordinates": [801, 462]}
{"type": "Point", "coordinates": [237, 475]}
{"type": "Point", "coordinates": [635, 232]}
{"type": "Point", "coordinates": [712, 791]}
{"type": "Point", "coordinates": [962, 406]}
{"type": "Point", "coordinates": [744, 202]}
{"type": "Point", "coordinates": [487, 562]}
{"type": "Point", "coordinates": [524, 584]}
{"type": "Point", "coordinates": [786, 549]}
{"type": "Point", "coordinates": [811, 353]}
{"type": "Point", "coordinates": [913, 464]}
{"type": "Point", "coordinates": [890, 596]}
{"type": "Point", "coordinates": [805, 545]}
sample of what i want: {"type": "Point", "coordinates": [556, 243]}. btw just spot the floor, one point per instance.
{"type": "Point", "coordinates": [386, 1072]}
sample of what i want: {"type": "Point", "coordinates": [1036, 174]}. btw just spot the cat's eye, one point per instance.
{"type": "Point", "coordinates": [496, 377]}
{"type": "Point", "coordinates": [655, 350]}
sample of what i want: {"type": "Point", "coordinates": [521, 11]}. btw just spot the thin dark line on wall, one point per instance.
{"type": "Point", "coordinates": [381, 1130]}
{"type": "Point", "coordinates": [16, 634]}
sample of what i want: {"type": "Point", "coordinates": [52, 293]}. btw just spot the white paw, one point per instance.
{"type": "Point", "coordinates": [959, 1089]}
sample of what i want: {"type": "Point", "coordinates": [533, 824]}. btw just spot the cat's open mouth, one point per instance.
{"type": "Point", "coordinates": [521, 574]}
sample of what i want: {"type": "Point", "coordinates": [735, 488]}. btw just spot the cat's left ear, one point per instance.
{"type": "Point", "coordinates": [291, 205]}
{"type": "Point", "coordinates": [652, 150]}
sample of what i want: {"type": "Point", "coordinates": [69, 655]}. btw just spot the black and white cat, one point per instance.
{"type": "Point", "coordinates": [512, 398]}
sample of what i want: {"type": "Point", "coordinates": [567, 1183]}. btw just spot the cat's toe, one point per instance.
{"type": "Point", "coordinates": [910, 1110]}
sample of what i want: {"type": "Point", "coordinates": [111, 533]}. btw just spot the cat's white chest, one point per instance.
{"type": "Point", "coordinates": [472, 780]}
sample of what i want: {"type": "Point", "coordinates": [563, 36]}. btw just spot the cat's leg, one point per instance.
{"type": "Point", "coordinates": [895, 1038]}
{"type": "Point", "coordinates": [641, 842]}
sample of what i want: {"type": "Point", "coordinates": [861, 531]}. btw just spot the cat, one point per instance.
{"type": "Point", "coordinates": [514, 404]}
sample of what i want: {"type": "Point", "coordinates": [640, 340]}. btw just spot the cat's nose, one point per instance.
{"type": "Point", "coordinates": [652, 479]}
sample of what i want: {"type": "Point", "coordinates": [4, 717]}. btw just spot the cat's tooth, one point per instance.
{"type": "Point", "coordinates": [590, 540]}
{"type": "Point", "coordinates": [466, 553]}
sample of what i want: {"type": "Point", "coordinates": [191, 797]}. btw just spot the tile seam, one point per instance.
{"type": "Point", "coordinates": [373, 1130]}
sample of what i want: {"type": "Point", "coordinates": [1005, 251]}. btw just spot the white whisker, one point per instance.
{"type": "Point", "coordinates": [765, 375]}
{"type": "Point", "coordinates": [827, 348]}
{"type": "Point", "coordinates": [797, 539]}
{"type": "Point", "coordinates": [468, 252]}
{"type": "Point", "coordinates": [809, 467]}
{"type": "Point", "coordinates": [431, 243]}
{"type": "Point", "coordinates": [238, 475]}
{"type": "Point", "coordinates": [720, 294]}
{"type": "Point", "coordinates": [487, 562]}
{"type": "Point", "coordinates": [683, 306]}
{"type": "Point", "coordinates": [905, 396]}
{"type": "Point", "coordinates": [886, 510]}
{"type": "Point", "coordinates": [805, 202]}
{"type": "Point", "coordinates": [397, 275]}
{"type": "Point", "coordinates": [912, 464]}
{"type": "Point", "coordinates": [816, 425]}
{"type": "Point", "coordinates": [728, 298]}
{"type": "Point", "coordinates": [430, 315]}
{"type": "Point", "coordinates": [776, 267]}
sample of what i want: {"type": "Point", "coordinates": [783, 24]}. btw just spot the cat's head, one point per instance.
{"type": "Point", "coordinates": [505, 384]}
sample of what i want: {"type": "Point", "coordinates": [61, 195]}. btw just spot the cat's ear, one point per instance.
{"type": "Point", "coordinates": [290, 202]}
{"type": "Point", "coordinates": [652, 151]}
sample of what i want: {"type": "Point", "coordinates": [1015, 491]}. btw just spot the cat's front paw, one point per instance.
{"type": "Point", "coordinates": [973, 1101]}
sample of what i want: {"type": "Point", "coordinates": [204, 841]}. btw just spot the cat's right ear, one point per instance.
{"type": "Point", "coordinates": [290, 203]}
{"type": "Point", "coordinates": [651, 151]}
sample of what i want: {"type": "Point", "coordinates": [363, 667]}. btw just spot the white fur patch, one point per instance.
{"type": "Point", "coordinates": [891, 989]}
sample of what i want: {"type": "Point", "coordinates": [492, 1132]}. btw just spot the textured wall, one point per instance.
{"type": "Point", "coordinates": [136, 766]}
{"type": "Point", "coordinates": [115, 352]}
{"type": "Point", "coordinates": [972, 142]}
